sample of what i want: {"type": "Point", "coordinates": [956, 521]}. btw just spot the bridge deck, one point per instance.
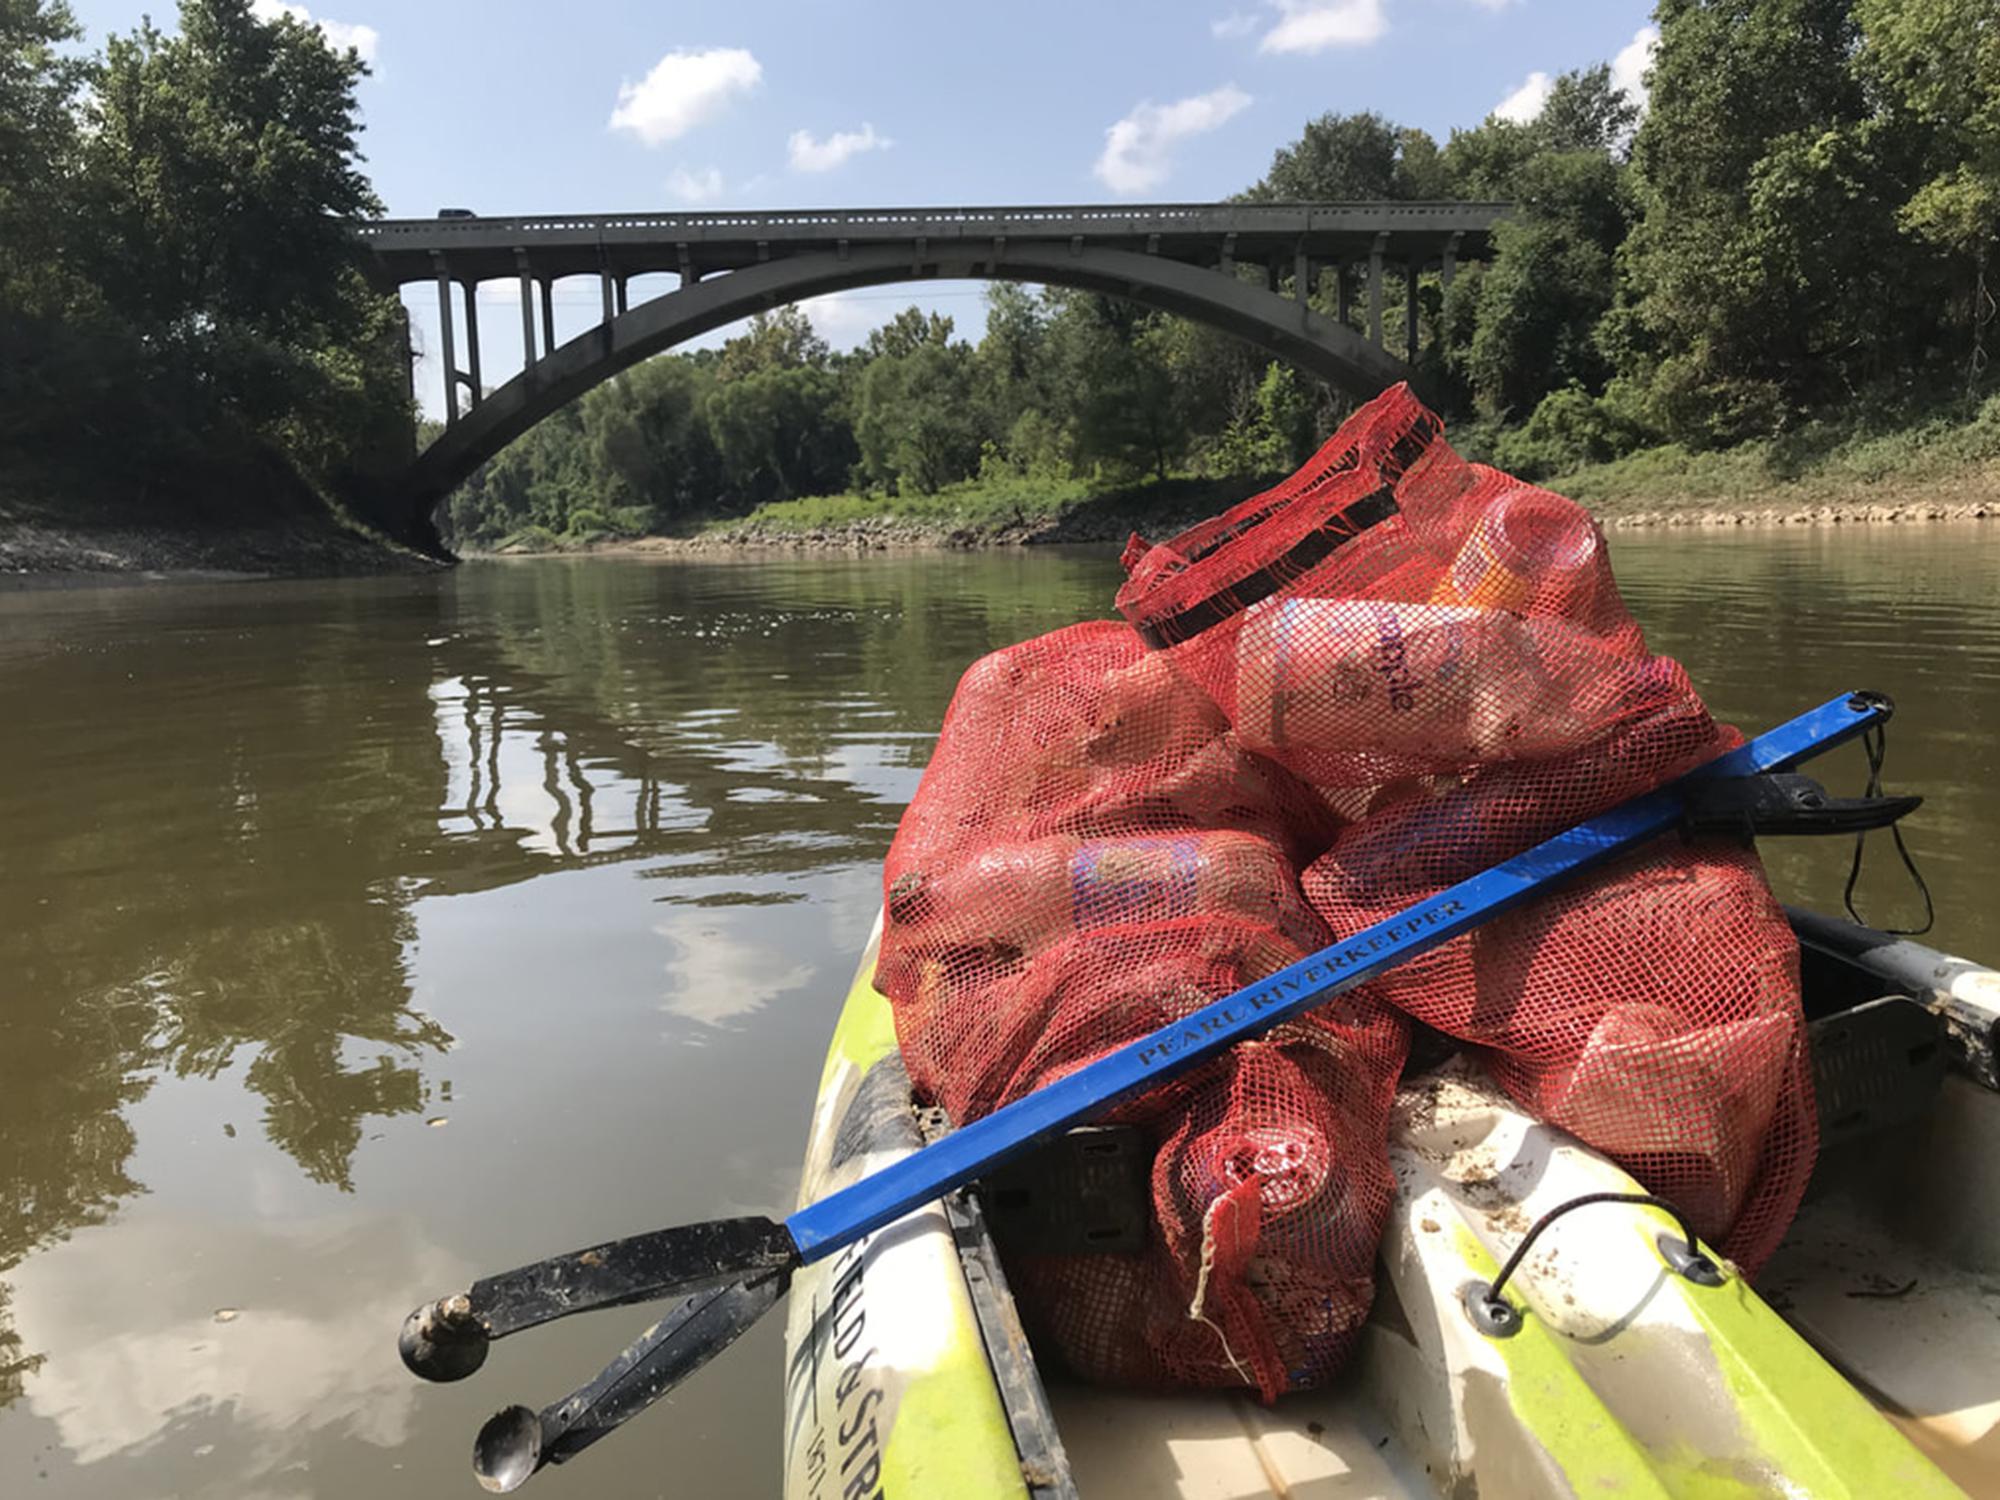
{"type": "Point", "coordinates": [402, 250]}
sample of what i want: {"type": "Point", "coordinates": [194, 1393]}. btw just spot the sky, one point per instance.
{"type": "Point", "coordinates": [604, 106]}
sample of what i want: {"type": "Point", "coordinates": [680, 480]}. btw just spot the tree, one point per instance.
{"type": "Point", "coordinates": [220, 166]}
{"type": "Point", "coordinates": [225, 164]}
{"type": "Point", "coordinates": [906, 333]}
{"type": "Point", "coordinates": [649, 440]}
{"type": "Point", "coordinates": [1113, 377]}
{"type": "Point", "coordinates": [918, 422]}
{"type": "Point", "coordinates": [1359, 156]}
{"type": "Point", "coordinates": [1553, 278]}
{"type": "Point", "coordinates": [1585, 111]}
{"type": "Point", "coordinates": [780, 340]}
{"type": "Point", "coordinates": [39, 87]}
{"type": "Point", "coordinates": [781, 432]}
{"type": "Point", "coordinates": [1761, 270]}
{"type": "Point", "coordinates": [1936, 64]}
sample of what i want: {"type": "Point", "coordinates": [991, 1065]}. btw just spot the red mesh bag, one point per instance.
{"type": "Point", "coordinates": [1441, 652]}
{"type": "Point", "coordinates": [1090, 856]}
{"type": "Point", "coordinates": [1389, 672]}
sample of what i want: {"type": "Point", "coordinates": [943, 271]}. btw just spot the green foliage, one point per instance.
{"type": "Point", "coordinates": [39, 87]}
{"type": "Point", "coordinates": [1936, 65]}
{"type": "Point", "coordinates": [918, 422]}
{"type": "Point", "coordinates": [1798, 225]}
{"type": "Point", "coordinates": [1359, 156]}
{"type": "Point", "coordinates": [174, 264]}
{"type": "Point", "coordinates": [780, 340]}
{"type": "Point", "coordinates": [1766, 269]}
{"type": "Point", "coordinates": [1567, 430]}
{"type": "Point", "coordinates": [1277, 432]}
{"type": "Point", "coordinates": [1552, 281]}
{"type": "Point", "coordinates": [781, 432]}
{"type": "Point", "coordinates": [1586, 111]}
{"type": "Point", "coordinates": [1801, 222]}
{"type": "Point", "coordinates": [1895, 454]}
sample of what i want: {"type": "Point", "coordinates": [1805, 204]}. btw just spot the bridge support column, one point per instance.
{"type": "Point", "coordinates": [604, 285]}
{"type": "Point", "coordinates": [447, 337]}
{"type": "Point", "coordinates": [527, 313]}
{"type": "Point", "coordinates": [1449, 268]}
{"type": "Point", "coordinates": [1378, 294]}
{"type": "Point", "coordinates": [548, 315]}
{"type": "Point", "coordinates": [1302, 275]}
{"type": "Point", "coordinates": [1343, 302]}
{"type": "Point", "coordinates": [472, 342]}
{"type": "Point", "coordinates": [1411, 270]}
{"type": "Point", "coordinates": [624, 305]}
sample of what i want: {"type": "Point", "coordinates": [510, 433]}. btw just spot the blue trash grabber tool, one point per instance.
{"type": "Point", "coordinates": [731, 1271]}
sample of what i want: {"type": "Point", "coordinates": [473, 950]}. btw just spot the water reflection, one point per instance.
{"type": "Point", "coordinates": [264, 845]}
{"type": "Point", "coordinates": [128, 1378]}
{"type": "Point", "coordinates": [572, 858]}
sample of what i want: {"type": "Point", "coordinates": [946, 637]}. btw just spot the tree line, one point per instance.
{"type": "Point", "coordinates": [1797, 221]}
{"type": "Point", "coordinates": [176, 276]}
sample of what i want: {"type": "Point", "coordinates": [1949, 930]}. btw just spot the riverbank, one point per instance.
{"type": "Point", "coordinates": [248, 518]}
{"type": "Point", "coordinates": [1658, 488]}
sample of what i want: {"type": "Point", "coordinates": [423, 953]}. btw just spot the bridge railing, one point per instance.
{"type": "Point", "coordinates": [1282, 217]}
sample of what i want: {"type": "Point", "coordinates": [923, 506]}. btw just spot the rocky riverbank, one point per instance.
{"type": "Point", "coordinates": [889, 533]}
{"type": "Point", "coordinates": [1725, 518]}
{"type": "Point", "coordinates": [249, 518]}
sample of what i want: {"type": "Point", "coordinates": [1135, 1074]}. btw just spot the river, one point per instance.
{"type": "Point", "coordinates": [358, 937]}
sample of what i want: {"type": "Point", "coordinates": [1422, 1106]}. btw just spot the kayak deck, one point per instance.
{"type": "Point", "coordinates": [908, 1373]}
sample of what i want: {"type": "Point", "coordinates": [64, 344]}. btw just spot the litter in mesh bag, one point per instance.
{"type": "Point", "coordinates": [1385, 674]}
{"type": "Point", "coordinates": [1092, 855]}
{"type": "Point", "coordinates": [1441, 652]}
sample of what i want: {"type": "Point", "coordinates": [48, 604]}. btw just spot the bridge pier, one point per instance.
{"type": "Point", "coordinates": [471, 291]}
{"type": "Point", "coordinates": [548, 316]}
{"type": "Point", "coordinates": [1411, 271]}
{"type": "Point", "coordinates": [527, 313]}
{"type": "Point", "coordinates": [448, 338]}
{"type": "Point", "coordinates": [1378, 294]}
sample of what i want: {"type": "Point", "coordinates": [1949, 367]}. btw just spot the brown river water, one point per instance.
{"type": "Point", "coordinates": [360, 937]}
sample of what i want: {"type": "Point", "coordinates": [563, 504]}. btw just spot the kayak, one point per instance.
{"type": "Point", "coordinates": [1859, 1365]}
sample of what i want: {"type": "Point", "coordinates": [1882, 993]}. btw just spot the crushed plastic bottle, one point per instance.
{"type": "Point", "coordinates": [1528, 542]}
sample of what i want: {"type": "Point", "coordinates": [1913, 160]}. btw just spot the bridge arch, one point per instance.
{"type": "Point", "coordinates": [1283, 327]}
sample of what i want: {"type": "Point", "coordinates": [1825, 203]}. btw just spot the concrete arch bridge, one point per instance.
{"type": "Point", "coordinates": [1178, 258]}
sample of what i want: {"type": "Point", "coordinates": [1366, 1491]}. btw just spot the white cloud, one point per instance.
{"type": "Point", "coordinates": [341, 35]}
{"type": "Point", "coordinates": [1138, 149]}
{"type": "Point", "coordinates": [684, 90]}
{"type": "Point", "coordinates": [1315, 25]}
{"type": "Point", "coordinates": [1526, 102]}
{"type": "Point", "coordinates": [809, 155]}
{"type": "Point", "coordinates": [142, 1357]}
{"type": "Point", "coordinates": [724, 966]}
{"type": "Point", "coordinates": [1238, 23]}
{"type": "Point", "coordinates": [704, 186]}
{"type": "Point", "coordinates": [843, 319]}
{"type": "Point", "coordinates": [1494, 4]}
{"type": "Point", "coordinates": [1628, 68]}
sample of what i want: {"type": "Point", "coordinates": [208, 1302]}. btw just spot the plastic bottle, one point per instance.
{"type": "Point", "coordinates": [1446, 684]}
{"type": "Point", "coordinates": [1527, 542]}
